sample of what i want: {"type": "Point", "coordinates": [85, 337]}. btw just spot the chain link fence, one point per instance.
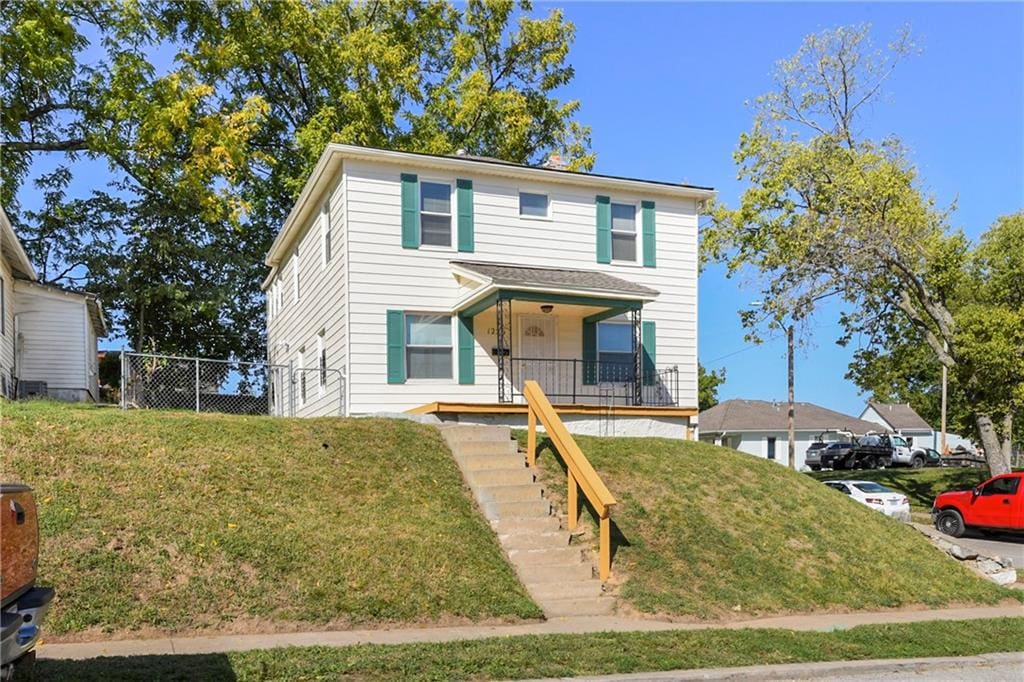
{"type": "Point", "coordinates": [169, 382]}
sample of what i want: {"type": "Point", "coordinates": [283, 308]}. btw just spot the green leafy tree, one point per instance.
{"type": "Point", "coordinates": [707, 386]}
{"type": "Point", "coordinates": [831, 213]}
{"type": "Point", "coordinates": [208, 152]}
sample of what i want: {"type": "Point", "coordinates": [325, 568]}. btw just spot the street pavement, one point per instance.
{"type": "Point", "coordinates": [1005, 545]}
{"type": "Point", "coordinates": [986, 668]}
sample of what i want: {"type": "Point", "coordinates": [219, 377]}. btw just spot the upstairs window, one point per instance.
{"type": "Point", "coordinates": [295, 275]}
{"type": "Point", "coordinates": [624, 232]}
{"type": "Point", "coordinates": [428, 346]}
{"type": "Point", "coordinates": [435, 214]}
{"type": "Point", "coordinates": [532, 205]}
{"type": "Point", "coordinates": [3, 307]}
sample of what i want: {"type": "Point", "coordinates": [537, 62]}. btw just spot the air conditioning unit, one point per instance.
{"type": "Point", "coordinates": [32, 389]}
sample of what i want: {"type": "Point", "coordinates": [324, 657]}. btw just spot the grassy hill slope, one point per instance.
{"type": "Point", "coordinates": [713, 532]}
{"type": "Point", "coordinates": [176, 521]}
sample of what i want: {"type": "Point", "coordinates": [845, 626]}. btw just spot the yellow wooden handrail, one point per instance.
{"type": "Point", "coordinates": [580, 473]}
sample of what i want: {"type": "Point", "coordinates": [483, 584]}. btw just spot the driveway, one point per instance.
{"type": "Point", "coordinates": [1006, 545]}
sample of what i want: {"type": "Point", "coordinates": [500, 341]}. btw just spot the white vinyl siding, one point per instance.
{"type": "Point", "coordinates": [382, 275]}
{"type": "Point", "coordinates": [7, 339]}
{"type": "Point", "coordinates": [55, 342]}
{"type": "Point", "coordinates": [322, 309]}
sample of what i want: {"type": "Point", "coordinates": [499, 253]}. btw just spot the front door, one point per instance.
{"type": "Point", "coordinates": [536, 356]}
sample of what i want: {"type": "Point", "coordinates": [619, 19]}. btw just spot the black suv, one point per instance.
{"type": "Point", "coordinates": [834, 451]}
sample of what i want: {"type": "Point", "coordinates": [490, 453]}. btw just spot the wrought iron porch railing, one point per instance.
{"type": "Point", "coordinates": [594, 382]}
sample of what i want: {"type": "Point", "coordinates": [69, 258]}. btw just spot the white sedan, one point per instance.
{"type": "Point", "coordinates": [878, 497]}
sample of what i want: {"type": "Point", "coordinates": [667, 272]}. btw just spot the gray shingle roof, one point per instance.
{"type": "Point", "coordinates": [508, 275]}
{"type": "Point", "coordinates": [764, 415]}
{"type": "Point", "coordinates": [900, 416]}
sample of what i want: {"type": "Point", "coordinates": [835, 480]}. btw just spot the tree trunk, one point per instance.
{"type": "Point", "coordinates": [997, 462]}
{"type": "Point", "coordinates": [1008, 437]}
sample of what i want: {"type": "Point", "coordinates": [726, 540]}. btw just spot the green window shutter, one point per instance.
{"type": "Point", "coordinates": [410, 211]}
{"type": "Point", "coordinates": [464, 198]}
{"type": "Point", "coordinates": [467, 359]}
{"type": "Point", "coordinates": [647, 227]}
{"type": "Point", "coordinates": [650, 352]}
{"type": "Point", "coordinates": [589, 353]}
{"type": "Point", "coordinates": [396, 347]}
{"type": "Point", "coordinates": [604, 229]}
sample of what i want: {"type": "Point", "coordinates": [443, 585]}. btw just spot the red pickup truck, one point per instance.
{"type": "Point", "coordinates": [996, 504]}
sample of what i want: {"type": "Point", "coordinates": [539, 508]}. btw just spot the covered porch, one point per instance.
{"type": "Point", "coordinates": [580, 334]}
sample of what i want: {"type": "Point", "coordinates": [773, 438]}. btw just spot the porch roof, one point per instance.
{"type": "Point", "coordinates": [584, 287]}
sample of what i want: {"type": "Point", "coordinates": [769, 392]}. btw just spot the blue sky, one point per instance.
{"type": "Point", "coordinates": [663, 86]}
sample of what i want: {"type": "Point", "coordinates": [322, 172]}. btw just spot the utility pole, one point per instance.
{"type": "Point", "coordinates": [792, 403]}
{"type": "Point", "coordinates": [942, 447]}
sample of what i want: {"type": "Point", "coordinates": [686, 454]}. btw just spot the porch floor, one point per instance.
{"type": "Point", "coordinates": [563, 408]}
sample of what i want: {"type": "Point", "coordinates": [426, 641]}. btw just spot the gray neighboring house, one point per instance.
{"type": "Point", "coordinates": [760, 427]}
{"type": "Point", "coordinates": [48, 335]}
{"type": "Point", "coordinates": [902, 419]}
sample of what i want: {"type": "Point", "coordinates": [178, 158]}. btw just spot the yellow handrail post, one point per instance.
{"type": "Point", "coordinates": [573, 500]}
{"type": "Point", "coordinates": [605, 563]}
{"type": "Point", "coordinates": [579, 472]}
{"type": "Point", "coordinates": [531, 437]}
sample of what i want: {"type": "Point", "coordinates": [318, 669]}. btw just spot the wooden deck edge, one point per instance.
{"type": "Point", "coordinates": [505, 408]}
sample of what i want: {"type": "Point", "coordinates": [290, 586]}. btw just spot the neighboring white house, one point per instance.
{"type": "Point", "coordinates": [761, 427]}
{"type": "Point", "coordinates": [437, 284]}
{"type": "Point", "coordinates": [902, 419]}
{"type": "Point", "coordinates": [47, 334]}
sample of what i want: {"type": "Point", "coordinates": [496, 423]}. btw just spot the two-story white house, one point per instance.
{"type": "Point", "coordinates": [438, 284]}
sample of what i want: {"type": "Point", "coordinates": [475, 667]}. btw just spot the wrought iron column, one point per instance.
{"type": "Point", "coordinates": [638, 364]}
{"type": "Point", "coordinates": [503, 312]}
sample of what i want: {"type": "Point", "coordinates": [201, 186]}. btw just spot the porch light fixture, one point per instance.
{"type": "Point", "coordinates": [547, 308]}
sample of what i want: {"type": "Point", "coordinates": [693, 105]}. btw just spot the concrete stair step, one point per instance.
{"type": "Point", "coordinates": [485, 447]}
{"type": "Point", "coordinates": [474, 462]}
{"type": "Point", "coordinates": [512, 476]}
{"type": "Point", "coordinates": [524, 509]}
{"type": "Point", "coordinates": [465, 433]}
{"type": "Point", "coordinates": [577, 589]}
{"type": "Point", "coordinates": [555, 573]}
{"type": "Point", "coordinates": [547, 524]}
{"type": "Point", "coordinates": [545, 557]}
{"type": "Point", "coordinates": [512, 493]}
{"type": "Point", "coordinates": [585, 606]}
{"type": "Point", "coordinates": [543, 540]}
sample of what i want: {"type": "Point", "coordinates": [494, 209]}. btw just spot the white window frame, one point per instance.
{"type": "Point", "coordinates": [300, 363]}
{"type": "Point", "coordinates": [326, 245]}
{"type": "Point", "coordinates": [519, 205]}
{"type": "Point", "coordinates": [635, 232]}
{"type": "Point", "coordinates": [452, 212]}
{"type": "Point", "coordinates": [295, 275]}
{"type": "Point", "coordinates": [450, 346]}
{"type": "Point", "coordinates": [321, 363]}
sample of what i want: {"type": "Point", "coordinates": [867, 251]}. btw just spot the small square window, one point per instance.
{"type": "Point", "coordinates": [435, 214]}
{"type": "Point", "coordinates": [533, 205]}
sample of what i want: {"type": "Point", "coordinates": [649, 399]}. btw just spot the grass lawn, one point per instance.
{"type": "Point", "coordinates": [921, 486]}
{"type": "Point", "coordinates": [559, 655]}
{"type": "Point", "coordinates": [712, 532]}
{"type": "Point", "coordinates": [175, 521]}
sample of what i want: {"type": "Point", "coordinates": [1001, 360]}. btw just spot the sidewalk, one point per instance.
{"type": "Point", "coordinates": [223, 643]}
{"type": "Point", "coordinates": [984, 668]}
